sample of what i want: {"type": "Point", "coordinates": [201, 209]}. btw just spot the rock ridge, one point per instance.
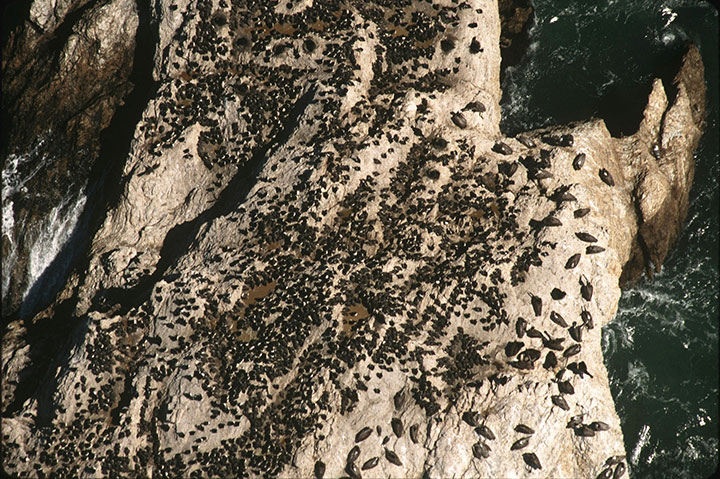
{"type": "Point", "coordinates": [326, 259]}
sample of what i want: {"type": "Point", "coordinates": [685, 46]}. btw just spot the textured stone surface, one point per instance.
{"type": "Point", "coordinates": [321, 231]}
{"type": "Point", "coordinates": [65, 71]}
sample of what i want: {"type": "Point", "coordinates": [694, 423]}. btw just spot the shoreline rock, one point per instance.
{"type": "Point", "coordinates": [321, 230]}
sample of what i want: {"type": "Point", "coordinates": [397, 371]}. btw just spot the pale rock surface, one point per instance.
{"type": "Point", "coordinates": [307, 244]}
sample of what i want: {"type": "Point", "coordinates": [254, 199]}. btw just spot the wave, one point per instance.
{"type": "Point", "coordinates": [54, 234]}
{"type": "Point", "coordinates": [47, 235]}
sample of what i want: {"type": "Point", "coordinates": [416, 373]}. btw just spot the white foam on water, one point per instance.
{"type": "Point", "coordinates": [642, 441]}
{"type": "Point", "coordinates": [618, 335]}
{"type": "Point", "coordinates": [56, 230]}
{"type": "Point", "coordinates": [638, 380]}
{"type": "Point", "coordinates": [667, 12]}
{"type": "Point", "coordinates": [14, 178]}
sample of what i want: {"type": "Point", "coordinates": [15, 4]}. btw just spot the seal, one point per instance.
{"type": "Point", "coordinates": [580, 212]}
{"type": "Point", "coordinates": [353, 454]}
{"type": "Point", "coordinates": [392, 457]}
{"type": "Point", "coordinates": [508, 168]}
{"type": "Point", "coordinates": [586, 288]}
{"type": "Point", "coordinates": [536, 304]}
{"type": "Point", "coordinates": [550, 360]}
{"type": "Point", "coordinates": [370, 463]}
{"type": "Point", "coordinates": [485, 432]}
{"type": "Point", "coordinates": [502, 148]}
{"type": "Point", "coordinates": [575, 333]}
{"type": "Point", "coordinates": [525, 141]}
{"type": "Point", "coordinates": [566, 196]}
{"type": "Point", "coordinates": [557, 294]}
{"type": "Point", "coordinates": [565, 387]}
{"type": "Point", "coordinates": [513, 347]}
{"type": "Point", "coordinates": [557, 319]}
{"type": "Point", "coordinates": [580, 369]}
{"type": "Point", "coordinates": [353, 471]}
{"type": "Point", "coordinates": [534, 333]}
{"type": "Point", "coordinates": [520, 327]}
{"type": "Point", "coordinates": [520, 443]}
{"type": "Point", "coordinates": [481, 450]}
{"type": "Point", "coordinates": [475, 106]}
{"type": "Point", "coordinates": [605, 473]}
{"type": "Point", "coordinates": [574, 421]}
{"type": "Point", "coordinates": [599, 426]}
{"type": "Point", "coordinates": [472, 418]}
{"type": "Point", "coordinates": [584, 430]}
{"type": "Point", "coordinates": [587, 318]}
{"type": "Point", "coordinates": [560, 402]}
{"type": "Point", "coordinates": [551, 221]}
{"type": "Point", "coordinates": [447, 44]}
{"type": "Point", "coordinates": [572, 350]}
{"type": "Point", "coordinates": [542, 174]}
{"type": "Point", "coordinates": [612, 460]}
{"type": "Point", "coordinates": [319, 470]}
{"type": "Point", "coordinates": [553, 343]}
{"type": "Point", "coordinates": [587, 237]}
{"type": "Point", "coordinates": [530, 354]}
{"type": "Point", "coordinates": [572, 261]}
{"type": "Point", "coordinates": [397, 426]}
{"type": "Point", "coordinates": [363, 434]}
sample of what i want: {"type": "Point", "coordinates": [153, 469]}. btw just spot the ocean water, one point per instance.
{"type": "Point", "coordinates": [46, 271]}
{"type": "Point", "coordinates": [598, 58]}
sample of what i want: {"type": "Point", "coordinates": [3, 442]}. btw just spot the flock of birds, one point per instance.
{"type": "Point", "coordinates": [398, 241]}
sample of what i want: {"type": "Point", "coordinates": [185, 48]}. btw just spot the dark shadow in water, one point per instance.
{"type": "Point", "coordinates": [623, 105]}
{"type": "Point", "coordinates": [14, 13]}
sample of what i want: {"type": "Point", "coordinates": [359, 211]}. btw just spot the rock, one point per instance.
{"type": "Point", "coordinates": [66, 72]}
{"type": "Point", "coordinates": [280, 273]}
{"type": "Point", "coordinates": [661, 165]}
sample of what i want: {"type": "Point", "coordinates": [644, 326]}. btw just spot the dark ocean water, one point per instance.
{"type": "Point", "coordinates": [598, 58]}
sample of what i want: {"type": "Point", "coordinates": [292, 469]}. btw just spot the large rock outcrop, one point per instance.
{"type": "Point", "coordinates": [67, 71]}
{"type": "Point", "coordinates": [326, 259]}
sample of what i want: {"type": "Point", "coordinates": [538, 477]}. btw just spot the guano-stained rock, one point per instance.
{"type": "Point", "coordinates": [308, 247]}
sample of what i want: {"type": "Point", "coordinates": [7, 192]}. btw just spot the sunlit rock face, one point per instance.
{"type": "Point", "coordinates": [326, 260]}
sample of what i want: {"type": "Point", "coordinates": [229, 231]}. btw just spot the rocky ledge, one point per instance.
{"type": "Point", "coordinates": [326, 260]}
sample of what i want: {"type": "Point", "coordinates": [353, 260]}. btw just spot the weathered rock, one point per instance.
{"type": "Point", "coordinates": [661, 166]}
{"type": "Point", "coordinates": [308, 244]}
{"type": "Point", "coordinates": [65, 71]}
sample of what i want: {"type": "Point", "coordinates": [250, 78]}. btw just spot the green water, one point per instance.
{"type": "Point", "coordinates": [598, 58]}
